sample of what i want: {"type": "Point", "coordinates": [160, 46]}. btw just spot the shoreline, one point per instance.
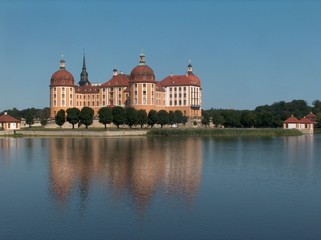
{"type": "Point", "coordinates": [156, 132]}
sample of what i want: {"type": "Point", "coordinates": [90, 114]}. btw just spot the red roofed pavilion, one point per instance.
{"type": "Point", "coordinates": [9, 123]}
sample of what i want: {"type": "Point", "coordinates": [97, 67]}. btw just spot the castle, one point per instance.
{"type": "Point", "coordinates": [139, 90]}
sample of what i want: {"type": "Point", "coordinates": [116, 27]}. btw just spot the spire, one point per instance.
{"type": "Point", "coordinates": [142, 58]}
{"type": "Point", "coordinates": [189, 67]}
{"type": "Point", "coordinates": [84, 74]}
{"type": "Point", "coordinates": [84, 62]}
{"type": "Point", "coordinates": [62, 62]}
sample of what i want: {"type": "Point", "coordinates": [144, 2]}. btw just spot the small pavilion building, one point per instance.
{"type": "Point", "coordinates": [305, 125]}
{"type": "Point", "coordinates": [9, 123]}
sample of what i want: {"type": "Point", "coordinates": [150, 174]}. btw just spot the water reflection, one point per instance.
{"type": "Point", "coordinates": [134, 167]}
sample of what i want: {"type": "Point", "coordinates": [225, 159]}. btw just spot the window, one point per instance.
{"type": "Point", "coordinates": [136, 101]}
{"type": "Point", "coordinates": [63, 89]}
{"type": "Point", "coordinates": [55, 103]}
{"type": "Point", "coordinates": [119, 89]}
{"type": "Point", "coordinates": [104, 103]}
{"type": "Point", "coordinates": [63, 102]}
{"type": "Point", "coordinates": [84, 104]}
{"type": "Point", "coordinates": [97, 103]}
{"type": "Point", "coordinates": [55, 95]}
{"type": "Point", "coordinates": [63, 95]}
{"type": "Point", "coordinates": [93, 103]}
{"type": "Point", "coordinates": [55, 88]}
{"type": "Point", "coordinates": [119, 95]}
{"type": "Point", "coordinates": [84, 96]}
{"type": "Point", "coordinates": [144, 100]}
{"type": "Point", "coordinates": [135, 85]}
{"type": "Point", "coordinates": [135, 93]}
{"type": "Point", "coordinates": [170, 89]}
{"type": "Point", "coordinates": [170, 103]}
{"type": "Point", "coordinates": [184, 102]}
{"type": "Point", "coordinates": [70, 96]}
{"type": "Point", "coordinates": [144, 85]}
{"type": "Point", "coordinates": [180, 102]}
{"type": "Point", "coordinates": [70, 103]}
{"type": "Point", "coordinates": [119, 102]}
{"type": "Point", "coordinates": [144, 93]}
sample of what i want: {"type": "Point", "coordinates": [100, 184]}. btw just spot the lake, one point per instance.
{"type": "Point", "coordinates": [160, 188]}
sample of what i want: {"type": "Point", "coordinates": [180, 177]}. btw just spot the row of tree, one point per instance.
{"type": "Point", "coordinates": [263, 116]}
{"type": "Point", "coordinates": [119, 116]}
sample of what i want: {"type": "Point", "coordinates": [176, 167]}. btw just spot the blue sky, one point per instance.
{"type": "Point", "coordinates": [246, 53]}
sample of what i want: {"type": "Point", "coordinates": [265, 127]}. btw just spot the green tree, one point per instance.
{"type": "Point", "coordinates": [179, 116]}
{"type": "Point", "coordinates": [73, 115]}
{"type": "Point", "coordinates": [131, 116]}
{"type": "Point", "coordinates": [319, 120]}
{"type": "Point", "coordinates": [184, 120]}
{"type": "Point", "coordinates": [43, 122]}
{"type": "Point", "coordinates": [105, 116]}
{"type": "Point", "coordinates": [142, 117]}
{"type": "Point", "coordinates": [171, 118]}
{"type": "Point", "coordinates": [316, 106]}
{"type": "Point", "coordinates": [119, 116]}
{"type": "Point", "coordinates": [152, 118]}
{"type": "Point", "coordinates": [86, 116]}
{"type": "Point", "coordinates": [29, 119]}
{"type": "Point", "coordinates": [217, 119]}
{"type": "Point", "coordinates": [206, 119]}
{"type": "Point", "coordinates": [248, 119]}
{"type": "Point", "coordinates": [162, 118]}
{"type": "Point", "coordinates": [60, 117]}
{"type": "Point", "coordinates": [232, 118]}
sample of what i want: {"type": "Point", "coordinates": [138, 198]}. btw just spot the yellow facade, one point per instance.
{"type": "Point", "coordinates": [139, 90]}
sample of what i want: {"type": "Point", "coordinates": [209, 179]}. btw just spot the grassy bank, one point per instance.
{"type": "Point", "coordinates": [227, 132]}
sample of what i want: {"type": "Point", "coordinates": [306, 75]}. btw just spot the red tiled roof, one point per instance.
{"type": "Point", "coordinates": [62, 78]}
{"type": "Point", "coordinates": [8, 119]}
{"type": "Point", "coordinates": [121, 80]}
{"type": "Point", "coordinates": [312, 117]}
{"type": "Point", "coordinates": [181, 80]}
{"type": "Point", "coordinates": [89, 89]}
{"type": "Point", "coordinates": [159, 87]}
{"type": "Point", "coordinates": [305, 121]}
{"type": "Point", "coordinates": [292, 120]}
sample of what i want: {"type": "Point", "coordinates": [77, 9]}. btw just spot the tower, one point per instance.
{"type": "Point", "coordinates": [84, 75]}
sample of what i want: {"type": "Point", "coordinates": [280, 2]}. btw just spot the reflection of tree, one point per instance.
{"type": "Point", "coordinates": [134, 166]}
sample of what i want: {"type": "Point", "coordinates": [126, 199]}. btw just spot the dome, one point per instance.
{"type": "Point", "coordinates": [62, 78]}
{"type": "Point", "coordinates": [142, 73]}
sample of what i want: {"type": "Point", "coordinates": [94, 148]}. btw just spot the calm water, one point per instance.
{"type": "Point", "coordinates": [160, 188]}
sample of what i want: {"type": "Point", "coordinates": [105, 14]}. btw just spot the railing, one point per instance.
{"type": "Point", "coordinates": [195, 107]}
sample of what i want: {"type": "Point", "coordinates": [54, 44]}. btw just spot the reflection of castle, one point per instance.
{"type": "Point", "coordinates": [134, 166]}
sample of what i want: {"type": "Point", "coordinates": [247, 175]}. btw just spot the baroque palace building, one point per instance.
{"type": "Point", "coordinates": [139, 90]}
